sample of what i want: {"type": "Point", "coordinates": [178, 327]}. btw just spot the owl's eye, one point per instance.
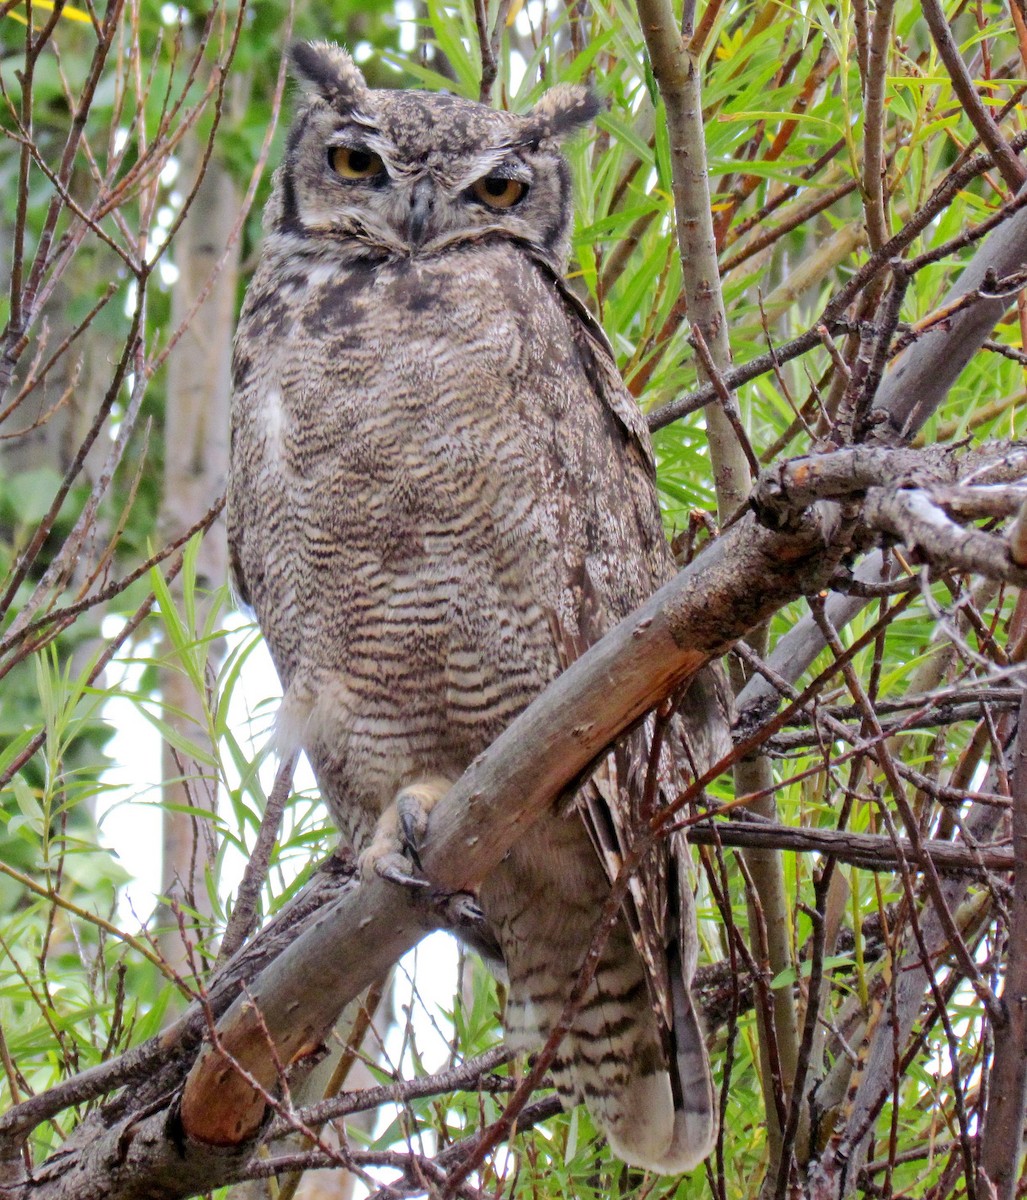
{"type": "Point", "coordinates": [350, 162]}
{"type": "Point", "coordinates": [498, 192]}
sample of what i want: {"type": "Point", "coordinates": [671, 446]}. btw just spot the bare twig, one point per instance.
{"type": "Point", "coordinates": [488, 44]}
{"type": "Point", "coordinates": [728, 402]}
{"type": "Point", "coordinates": [1012, 169]}
{"type": "Point", "coordinates": [1003, 258]}
{"type": "Point", "coordinates": [871, 852]}
{"type": "Point", "coordinates": [244, 916]}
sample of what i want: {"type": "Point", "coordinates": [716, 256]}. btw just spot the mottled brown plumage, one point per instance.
{"type": "Point", "coordinates": [440, 493]}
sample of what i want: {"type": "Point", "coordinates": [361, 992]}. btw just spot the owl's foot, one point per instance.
{"type": "Point", "coordinates": [400, 833]}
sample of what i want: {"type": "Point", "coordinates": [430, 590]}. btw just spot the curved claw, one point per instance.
{"type": "Point", "coordinates": [463, 909]}
{"type": "Point", "coordinates": [399, 835]}
{"type": "Point", "coordinates": [388, 871]}
{"type": "Point", "coordinates": [392, 868]}
{"type": "Point", "coordinates": [413, 806]}
{"type": "Point", "coordinates": [410, 834]}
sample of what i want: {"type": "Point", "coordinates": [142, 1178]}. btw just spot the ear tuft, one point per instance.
{"type": "Point", "coordinates": [564, 109]}
{"type": "Point", "coordinates": [326, 70]}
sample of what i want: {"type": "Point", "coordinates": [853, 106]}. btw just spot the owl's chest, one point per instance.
{"type": "Point", "coordinates": [410, 335]}
{"type": "Point", "coordinates": [406, 375]}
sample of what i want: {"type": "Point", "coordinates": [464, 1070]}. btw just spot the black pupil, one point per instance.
{"type": "Point", "coordinates": [496, 186]}
{"type": "Point", "coordinates": [359, 160]}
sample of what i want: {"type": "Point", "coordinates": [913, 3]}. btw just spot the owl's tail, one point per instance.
{"type": "Point", "coordinates": [645, 1081]}
{"type": "Point", "coordinates": [695, 1102]}
{"type": "Point", "coordinates": [612, 1060]}
{"type": "Point", "coordinates": [664, 1117]}
{"type": "Point", "coordinates": [666, 1120]}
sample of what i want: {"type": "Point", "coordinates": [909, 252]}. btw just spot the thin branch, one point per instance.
{"type": "Point", "coordinates": [1012, 169]}
{"type": "Point", "coordinates": [244, 915]}
{"type": "Point", "coordinates": [728, 401]}
{"type": "Point", "coordinates": [936, 382]}
{"type": "Point", "coordinates": [678, 77]}
{"type": "Point", "coordinates": [1002, 1139]}
{"type": "Point", "coordinates": [871, 852]}
{"type": "Point", "coordinates": [62, 617]}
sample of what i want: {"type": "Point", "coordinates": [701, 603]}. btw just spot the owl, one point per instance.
{"type": "Point", "coordinates": [440, 493]}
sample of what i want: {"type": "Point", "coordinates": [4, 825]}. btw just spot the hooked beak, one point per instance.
{"type": "Point", "coordinates": [422, 203]}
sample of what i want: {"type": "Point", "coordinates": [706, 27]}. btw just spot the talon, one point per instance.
{"type": "Point", "coordinates": [413, 805]}
{"type": "Point", "coordinates": [400, 832]}
{"type": "Point", "coordinates": [392, 867]}
{"type": "Point", "coordinates": [464, 908]}
{"type": "Point", "coordinates": [410, 835]}
{"type": "Point", "coordinates": [462, 914]}
{"type": "Point", "coordinates": [381, 858]}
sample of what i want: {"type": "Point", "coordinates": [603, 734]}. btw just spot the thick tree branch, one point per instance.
{"type": "Point", "coordinates": [785, 490]}
{"type": "Point", "coordinates": [924, 374]}
{"type": "Point", "coordinates": [910, 392]}
{"type": "Point", "coordinates": [913, 495]}
{"type": "Point", "coordinates": [921, 525]}
{"type": "Point", "coordinates": [677, 70]}
{"type": "Point", "coordinates": [154, 1067]}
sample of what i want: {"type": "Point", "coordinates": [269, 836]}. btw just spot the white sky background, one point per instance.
{"type": "Point", "coordinates": [129, 812]}
{"type": "Point", "coordinates": [128, 809]}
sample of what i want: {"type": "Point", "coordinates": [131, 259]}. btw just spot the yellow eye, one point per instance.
{"type": "Point", "coordinates": [497, 192]}
{"type": "Point", "coordinates": [349, 162]}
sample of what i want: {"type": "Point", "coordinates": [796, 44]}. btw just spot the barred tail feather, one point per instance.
{"type": "Point", "coordinates": [695, 1103]}
{"type": "Point", "coordinates": [665, 1122]}
{"type": "Point", "coordinates": [641, 1122]}
{"type": "Point", "coordinates": [611, 1060]}
{"type": "Point", "coordinates": [666, 1119]}
{"type": "Point", "coordinates": [644, 1077]}
{"type": "Point", "coordinates": [695, 1115]}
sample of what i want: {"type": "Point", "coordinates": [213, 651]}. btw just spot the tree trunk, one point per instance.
{"type": "Point", "coordinates": [195, 463]}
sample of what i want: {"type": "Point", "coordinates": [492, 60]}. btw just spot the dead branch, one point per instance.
{"type": "Point", "coordinates": [872, 852]}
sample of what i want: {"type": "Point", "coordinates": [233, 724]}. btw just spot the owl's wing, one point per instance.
{"type": "Point", "coordinates": [635, 780]}
{"type": "Point", "coordinates": [612, 804]}
{"type": "Point", "coordinates": [598, 356]}
{"type": "Point", "coordinates": [649, 767]}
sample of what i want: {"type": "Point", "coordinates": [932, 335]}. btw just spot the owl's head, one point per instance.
{"type": "Point", "coordinates": [398, 173]}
